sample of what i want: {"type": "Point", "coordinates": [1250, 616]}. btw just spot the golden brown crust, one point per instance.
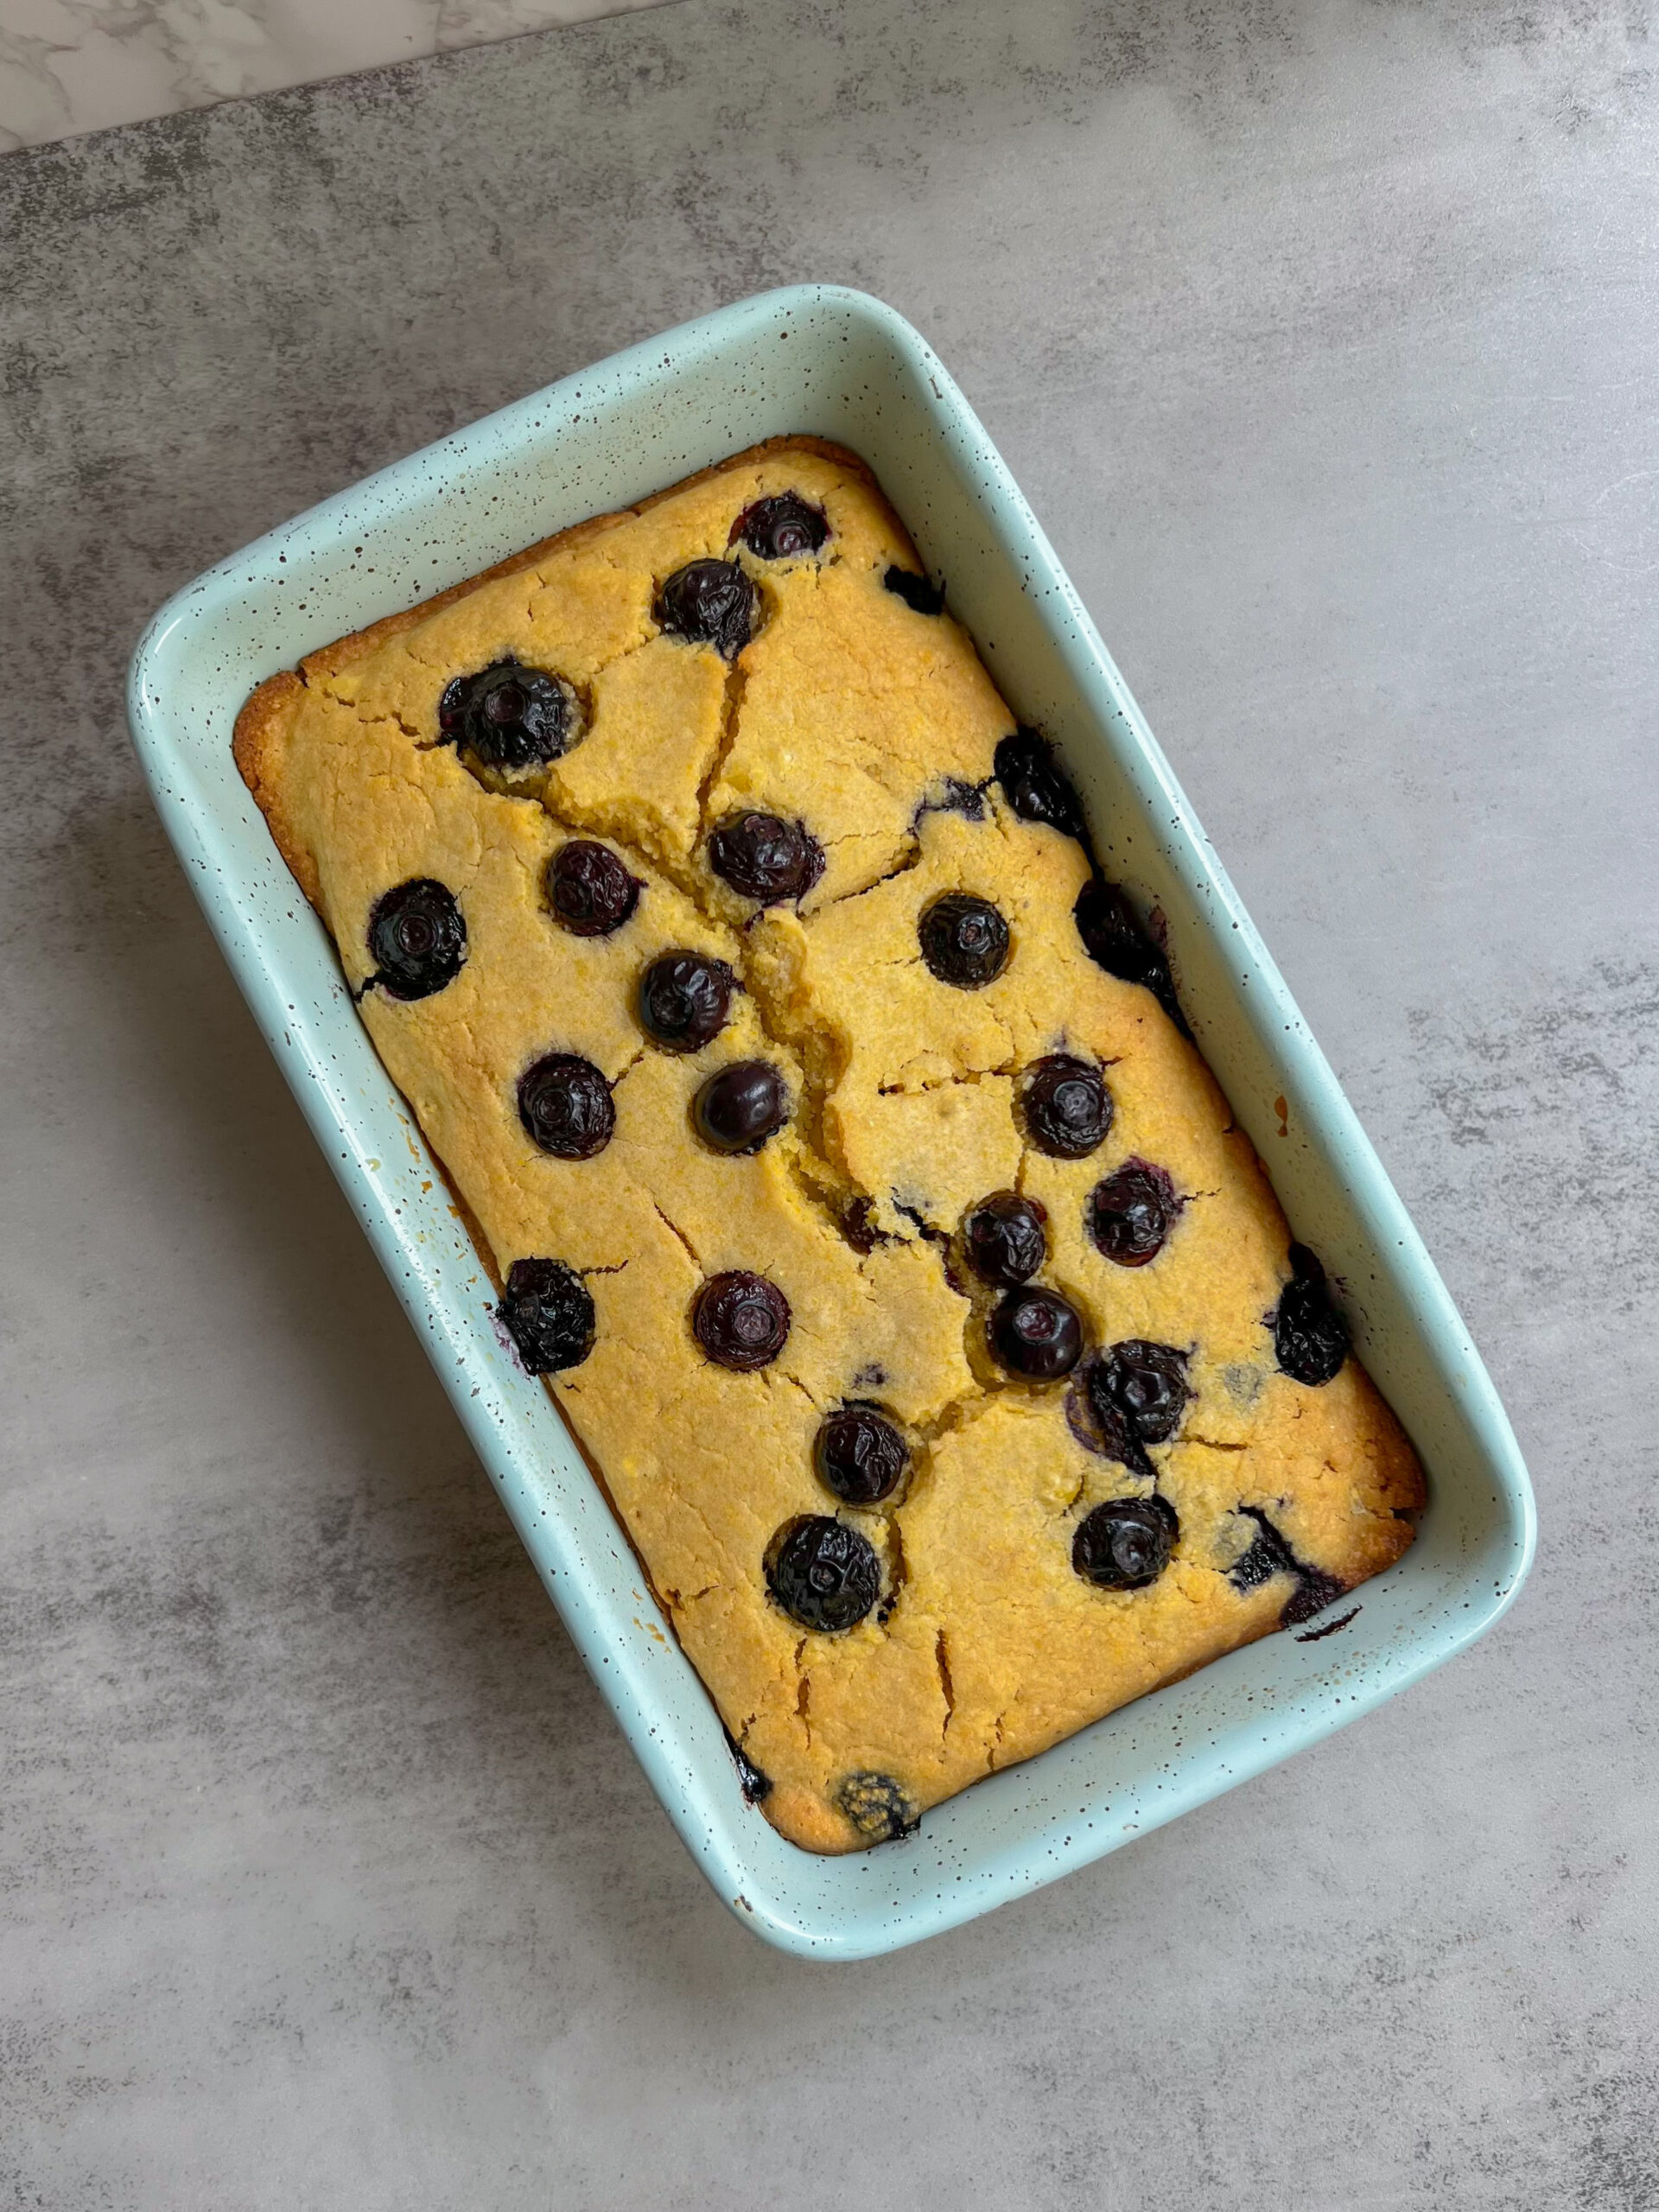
{"type": "Point", "coordinates": [261, 724]}
{"type": "Point", "coordinates": [258, 746]}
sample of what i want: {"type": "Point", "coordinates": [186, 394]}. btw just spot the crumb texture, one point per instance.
{"type": "Point", "coordinates": [870, 732]}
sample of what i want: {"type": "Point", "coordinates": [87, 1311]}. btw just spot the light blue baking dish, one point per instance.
{"type": "Point", "coordinates": [822, 359]}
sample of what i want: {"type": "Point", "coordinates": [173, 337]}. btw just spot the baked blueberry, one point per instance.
{"type": "Point", "coordinates": [877, 1806]}
{"type": "Point", "coordinates": [708, 603]}
{"type": "Point", "coordinates": [823, 1574]}
{"type": "Point", "coordinates": [1125, 1544]}
{"type": "Point", "coordinates": [751, 1781]}
{"type": "Point", "coordinates": [565, 1105]}
{"type": "Point", "coordinates": [684, 998]}
{"type": "Point", "coordinates": [1310, 1337]}
{"type": "Point", "coordinates": [588, 889]}
{"type": "Point", "coordinates": [1002, 1238]}
{"type": "Point", "coordinates": [1034, 784]}
{"type": "Point", "coordinates": [1130, 1214]}
{"type": "Point", "coordinates": [1269, 1555]}
{"type": "Point", "coordinates": [548, 1313]}
{"type": "Point", "coordinates": [1136, 1393]}
{"type": "Point", "coordinates": [781, 526]}
{"type": "Point", "coordinates": [920, 596]}
{"type": "Point", "coordinates": [764, 858]}
{"type": "Point", "coordinates": [417, 939]}
{"type": "Point", "coordinates": [965, 940]}
{"type": "Point", "coordinates": [1066, 1107]}
{"type": "Point", "coordinates": [1036, 1333]}
{"type": "Point", "coordinates": [739, 1108]}
{"type": "Point", "coordinates": [1115, 941]}
{"type": "Point", "coordinates": [509, 718]}
{"type": "Point", "coordinates": [860, 1455]}
{"type": "Point", "coordinates": [741, 1321]}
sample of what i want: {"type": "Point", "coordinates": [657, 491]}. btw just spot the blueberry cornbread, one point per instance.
{"type": "Point", "coordinates": [832, 1134]}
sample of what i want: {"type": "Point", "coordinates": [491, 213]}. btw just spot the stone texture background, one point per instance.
{"type": "Point", "coordinates": [1322, 334]}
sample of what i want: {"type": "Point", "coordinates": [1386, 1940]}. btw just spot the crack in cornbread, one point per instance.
{"type": "Point", "coordinates": [723, 933]}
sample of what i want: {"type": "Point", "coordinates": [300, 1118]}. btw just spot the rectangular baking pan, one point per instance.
{"type": "Point", "coordinates": [819, 359]}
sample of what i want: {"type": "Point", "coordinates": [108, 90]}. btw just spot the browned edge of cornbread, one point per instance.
{"type": "Point", "coordinates": [258, 723]}
{"type": "Point", "coordinates": [256, 735]}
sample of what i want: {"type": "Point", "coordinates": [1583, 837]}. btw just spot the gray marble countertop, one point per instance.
{"type": "Point", "coordinates": [1322, 336]}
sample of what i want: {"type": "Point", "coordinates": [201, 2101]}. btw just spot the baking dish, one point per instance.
{"type": "Point", "coordinates": [822, 359]}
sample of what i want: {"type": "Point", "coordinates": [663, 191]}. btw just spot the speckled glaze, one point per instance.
{"type": "Point", "coordinates": [837, 363]}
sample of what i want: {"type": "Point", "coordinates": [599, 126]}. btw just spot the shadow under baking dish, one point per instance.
{"type": "Point", "coordinates": [822, 359]}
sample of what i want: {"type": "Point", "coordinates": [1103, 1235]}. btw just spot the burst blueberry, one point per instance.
{"type": "Point", "coordinates": [860, 1455]}
{"type": "Point", "coordinates": [823, 1574]}
{"type": "Point", "coordinates": [708, 603]}
{"type": "Point", "coordinates": [1310, 1337]}
{"type": "Point", "coordinates": [1034, 784]}
{"type": "Point", "coordinates": [762, 857]}
{"type": "Point", "coordinates": [684, 998]}
{"type": "Point", "coordinates": [920, 596]}
{"type": "Point", "coordinates": [548, 1312]}
{"type": "Point", "coordinates": [878, 1806]}
{"type": "Point", "coordinates": [591, 893]}
{"type": "Point", "coordinates": [1003, 1239]}
{"type": "Point", "coordinates": [1130, 1214]}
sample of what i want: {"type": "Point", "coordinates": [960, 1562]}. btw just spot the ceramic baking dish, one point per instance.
{"type": "Point", "coordinates": [819, 359]}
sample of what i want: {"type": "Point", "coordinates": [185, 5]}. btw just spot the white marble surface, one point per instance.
{"type": "Point", "coordinates": [69, 66]}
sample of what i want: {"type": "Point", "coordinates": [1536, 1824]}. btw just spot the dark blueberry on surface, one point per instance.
{"type": "Point", "coordinates": [1111, 936]}
{"type": "Point", "coordinates": [1002, 1238]}
{"type": "Point", "coordinates": [1115, 941]}
{"type": "Point", "coordinates": [548, 1313]}
{"type": "Point", "coordinates": [1034, 784]}
{"type": "Point", "coordinates": [762, 857]}
{"type": "Point", "coordinates": [1066, 1107]}
{"type": "Point", "coordinates": [860, 1455]}
{"type": "Point", "coordinates": [877, 1806]}
{"type": "Point", "coordinates": [1310, 1337]}
{"type": "Point", "coordinates": [1269, 1555]}
{"type": "Point", "coordinates": [739, 1108]}
{"type": "Point", "coordinates": [920, 596]}
{"type": "Point", "coordinates": [751, 1781]}
{"type": "Point", "coordinates": [965, 940]}
{"type": "Point", "coordinates": [512, 718]}
{"type": "Point", "coordinates": [417, 939]}
{"type": "Point", "coordinates": [709, 603]}
{"type": "Point", "coordinates": [1132, 1212]}
{"type": "Point", "coordinates": [953, 795]}
{"type": "Point", "coordinates": [1314, 1591]}
{"type": "Point", "coordinates": [780, 527]}
{"type": "Point", "coordinates": [821, 1572]}
{"type": "Point", "coordinates": [741, 1321]}
{"type": "Point", "coordinates": [565, 1105]}
{"type": "Point", "coordinates": [857, 1227]}
{"type": "Point", "coordinates": [1126, 1543]}
{"type": "Point", "coordinates": [685, 999]}
{"type": "Point", "coordinates": [588, 888]}
{"type": "Point", "coordinates": [1036, 1333]}
{"type": "Point", "coordinates": [1137, 1392]}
